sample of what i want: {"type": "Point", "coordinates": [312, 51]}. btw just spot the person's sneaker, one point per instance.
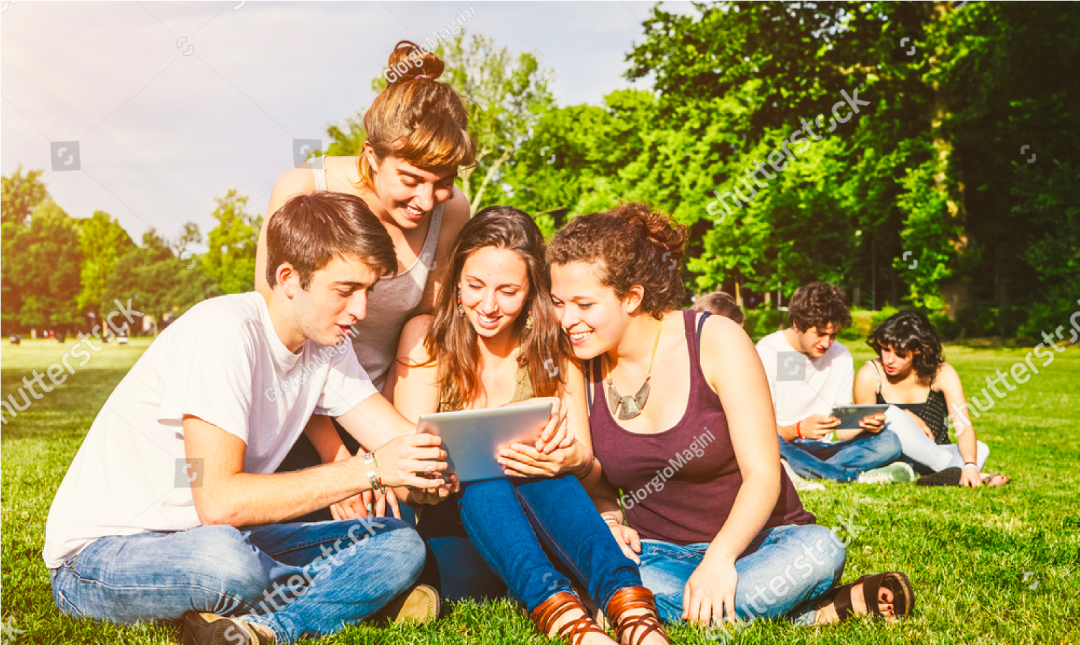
{"type": "Point", "coordinates": [211, 629]}
{"type": "Point", "coordinates": [891, 474]}
{"type": "Point", "coordinates": [799, 482]}
{"type": "Point", "coordinates": [419, 603]}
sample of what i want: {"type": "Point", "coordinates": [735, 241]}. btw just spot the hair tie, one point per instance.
{"type": "Point", "coordinates": [421, 76]}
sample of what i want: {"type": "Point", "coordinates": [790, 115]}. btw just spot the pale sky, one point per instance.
{"type": "Point", "coordinates": [174, 103]}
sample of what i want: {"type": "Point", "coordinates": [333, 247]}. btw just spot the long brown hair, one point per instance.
{"type": "Point", "coordinates": [452, 342]}
{"type": "Point", "coordinates": [417, 118]}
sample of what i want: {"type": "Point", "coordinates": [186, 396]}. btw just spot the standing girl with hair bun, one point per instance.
{"type": "Point", "coordinates": [691, 439]}
{"type": "Point", "coordinates": [417, 139]}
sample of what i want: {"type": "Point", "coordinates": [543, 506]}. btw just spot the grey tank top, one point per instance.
{"type": "Point", "coordinates": [393, 301]}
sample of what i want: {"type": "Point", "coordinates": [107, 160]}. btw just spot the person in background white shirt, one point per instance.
{"type": "Point", "coordinates": [809, 373]}
{"type": "Point", "coordinates": [171, 508]}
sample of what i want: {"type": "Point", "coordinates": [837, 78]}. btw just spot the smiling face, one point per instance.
{"type": "Point", "coordinates": [493, 287]}
{"type": "Point", "coordinates": [407, 193]}
{"type": "Point", "coordinates": [335, 299]}
{"type": "Point", "coordinates": [593, 316]}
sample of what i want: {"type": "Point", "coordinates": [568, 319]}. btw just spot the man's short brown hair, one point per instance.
{"type": "Point", "coordinates": [817, 305]}
{"type": "Point", "coordinates": [309, 231]}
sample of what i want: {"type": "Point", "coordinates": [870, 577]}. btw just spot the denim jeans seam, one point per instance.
{"type": "Point", "coordinates": [539, 527]}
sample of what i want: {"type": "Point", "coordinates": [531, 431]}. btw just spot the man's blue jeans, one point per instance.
{"type": "Point", "coordinates": [791, 567]}
{"type": "Point", "coordinates": [511, 521]}
{"type": "Point", "coordinates": [842, 461]}
{"type": "Point", "coordinates": [300, 580]}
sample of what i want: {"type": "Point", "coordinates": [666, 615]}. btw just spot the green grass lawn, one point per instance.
{"type": "Point", "coordinates": [988, 565]}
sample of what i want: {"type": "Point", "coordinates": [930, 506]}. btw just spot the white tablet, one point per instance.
{"type": "Point", "coordinates": [850, 415]}
{"type": "Point", "coordinates": [473, 438]}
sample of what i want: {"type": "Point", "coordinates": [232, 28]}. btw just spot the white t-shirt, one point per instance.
{"type": "Point", "coordinates": [801, 385]}
{"type": "Point", "coordinates": [223, 362]}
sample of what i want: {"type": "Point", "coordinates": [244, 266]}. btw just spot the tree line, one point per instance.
{"type": "Point", "coordinates": [918, 154]}
{"type": "Point", "coordinates": [63, 273]}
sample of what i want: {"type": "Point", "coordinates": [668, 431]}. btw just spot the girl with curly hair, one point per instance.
{"type": "Point", "coordinates": [911, 374]}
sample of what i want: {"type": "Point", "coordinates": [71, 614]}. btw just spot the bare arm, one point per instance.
{"type": "Point", "coordinates": [949, 381]}
{"type": "Point", "coordinates": [455, 215]}
{"type": "Point", "coordinates": [416, 383]}
{"type": "Point", "coordinates": [744, 394]}
{"type": "Point", "coordinates": [228, 495]}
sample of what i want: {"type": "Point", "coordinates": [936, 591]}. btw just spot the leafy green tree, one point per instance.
{"type": "Point", "coordinates": [102, 241]}
{"type": "Point", "coordinates": [159, 283]}
{"type": "Point", "coordinates": [21, 195]}
{"type": "Point", "coordinates": [230, 259]}
{"type": "Point", "coordinates": [41, 265]}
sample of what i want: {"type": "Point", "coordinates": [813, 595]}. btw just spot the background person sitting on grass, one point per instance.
{"type": "Point", "coordinates": [911, 374]}
{"type": "Point", "coordinates": [809, 373]}
{"type": "Point", "coordinates": [172, 504]}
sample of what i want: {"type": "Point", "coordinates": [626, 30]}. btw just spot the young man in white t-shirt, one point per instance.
{"type": "Point", "coordinates": [809, 373]}
{"type": "Point", "coordinates": [171, 507]}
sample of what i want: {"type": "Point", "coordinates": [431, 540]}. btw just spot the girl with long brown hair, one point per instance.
{"type": "Point", "coordinates": [493, 340]}
{"type": "Point", "coordinates": [417, 139]}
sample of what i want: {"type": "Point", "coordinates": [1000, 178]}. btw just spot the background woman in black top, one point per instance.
{"type": "Point", "coordinates": [911, 373]}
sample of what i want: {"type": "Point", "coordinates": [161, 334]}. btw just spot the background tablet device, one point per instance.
{"type": "Point", "coordinates": [472, 438]}
{"type": "Point", "coordinates": [850, 415]}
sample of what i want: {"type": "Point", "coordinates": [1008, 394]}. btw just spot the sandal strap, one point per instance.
{"type": "Point", "coordinates": [549, 611]}
{"type": "Point", "coordinates": [638, 627]}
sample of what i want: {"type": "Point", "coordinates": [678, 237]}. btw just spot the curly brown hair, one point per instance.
{"type": "Point", "coordinates": [819, 304]}
{"type": "Point", "coordinates": [910, 331]}
{"type": "Point", "coordinates": [630, 245]}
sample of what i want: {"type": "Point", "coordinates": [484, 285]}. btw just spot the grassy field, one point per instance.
{"type": "Point", "coordinates": [988, 565]}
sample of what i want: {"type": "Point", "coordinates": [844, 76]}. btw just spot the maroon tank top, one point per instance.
{"type": "Point", "coordinates": [679, 485]}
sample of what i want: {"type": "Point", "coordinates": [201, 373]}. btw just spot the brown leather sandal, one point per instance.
{"type": "Point", "coordinates": [637, 627]}
{"type": "Point", "coordinates": [896, 582]}
{"type": "Point", "coordinates": [554, 607]}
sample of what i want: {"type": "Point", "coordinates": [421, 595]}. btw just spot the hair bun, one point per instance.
{"type": "Point", "coordinates": [410, 61]}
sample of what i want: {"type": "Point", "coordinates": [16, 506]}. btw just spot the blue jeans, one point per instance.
{"type": "Point", "coordinates": [511, 521]}
{"type": "Point", "coordinates": [842, 461]}
{"type": "Point", "coordinates": [300, 580]}
{"type": "Point", "coordinates": [791, 566]}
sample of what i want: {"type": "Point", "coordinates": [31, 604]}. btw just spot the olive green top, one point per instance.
{"type": "Point", "coordinates": [522, 389]}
